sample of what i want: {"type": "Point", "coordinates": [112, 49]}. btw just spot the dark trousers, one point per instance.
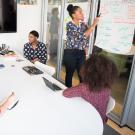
{"type": "Point", "coordinates": [73, 60]}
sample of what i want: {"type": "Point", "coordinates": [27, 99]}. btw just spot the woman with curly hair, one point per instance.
{"type": "Point", "coordinates": [98, 74]}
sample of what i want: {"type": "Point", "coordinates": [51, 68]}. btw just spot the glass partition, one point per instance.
{"type": "Point", "coordinates": [52, 32]}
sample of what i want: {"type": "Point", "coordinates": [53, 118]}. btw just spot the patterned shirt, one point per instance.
{"type": "Point", "coordinates": [75, 36]}
{"type": "Point", "coordinates": [98, 99]}
{"type": "Point", "coordinates": [39, 52]}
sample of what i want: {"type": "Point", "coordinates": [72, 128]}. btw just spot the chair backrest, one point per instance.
{"type": "Point", "coordinates": [111, 105]}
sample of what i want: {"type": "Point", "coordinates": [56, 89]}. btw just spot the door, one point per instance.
{"type": "Point", "coordinates": [53, 30]}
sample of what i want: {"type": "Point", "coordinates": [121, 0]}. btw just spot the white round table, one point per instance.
{"type": "Point", "coordinates": [41, 111]}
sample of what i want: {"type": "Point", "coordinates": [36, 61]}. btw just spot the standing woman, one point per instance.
{"type": "Point", "coordinates": [77, 42]}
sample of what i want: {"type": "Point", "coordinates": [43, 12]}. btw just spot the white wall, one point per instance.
{"type": "Point", "coordinates": [28, 18]}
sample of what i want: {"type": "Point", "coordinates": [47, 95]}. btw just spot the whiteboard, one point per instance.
{"type": "Point", "coordinates": [116, 26]}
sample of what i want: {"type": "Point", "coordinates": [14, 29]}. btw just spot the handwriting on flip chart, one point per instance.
{"type": "Point", "coordinates": [116, 26]}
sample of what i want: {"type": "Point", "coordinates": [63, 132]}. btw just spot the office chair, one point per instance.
{"type": "Point", "coordinates": [111, 105]}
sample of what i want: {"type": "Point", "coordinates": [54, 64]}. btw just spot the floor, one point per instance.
{"type": "Point", "coordinates": [122, 131]}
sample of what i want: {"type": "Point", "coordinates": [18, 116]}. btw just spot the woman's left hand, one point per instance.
{"type": "Point", "coordinates": [86, 53]}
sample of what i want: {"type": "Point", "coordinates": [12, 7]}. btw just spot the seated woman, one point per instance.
{"type": "Point", "coordinates": [6, 103]}
{"type": "Point", "coordinates": [98, 75]}
{"type": "Point", "coordinates": [35, 50]}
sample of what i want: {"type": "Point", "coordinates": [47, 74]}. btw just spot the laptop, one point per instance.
{"type": "Point", "coordinates": [51, 85]}
{"type": "Point", "coordinates": [32, 70]}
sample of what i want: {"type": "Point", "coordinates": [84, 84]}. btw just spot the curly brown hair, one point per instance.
{"type": "Point", "coordinates": [99, 72]}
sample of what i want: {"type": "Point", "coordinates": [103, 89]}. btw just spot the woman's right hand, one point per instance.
{"type": "Point", "coordinates": [96, 21]}
{"type": "Point", "coordinates": [89, 31]}
{"type": "Point", "coordinates": [36, 59]}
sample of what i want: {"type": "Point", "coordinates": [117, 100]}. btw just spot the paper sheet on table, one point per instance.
{"type": "Point", "coordinates": [11, 105]}
{"type": "Point", "coordinates": [45, 68]}
{"type": "Point", "coordinates": [10, 57]}
{"type": "Point", "coordinates": [5, 94]}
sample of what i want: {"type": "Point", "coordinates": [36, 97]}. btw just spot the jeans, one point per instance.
{"type": "Point", "coordinates": [73, 60]}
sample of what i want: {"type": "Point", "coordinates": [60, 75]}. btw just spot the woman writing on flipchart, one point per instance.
{"type": "Point", "coordinates": [77, 42]}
